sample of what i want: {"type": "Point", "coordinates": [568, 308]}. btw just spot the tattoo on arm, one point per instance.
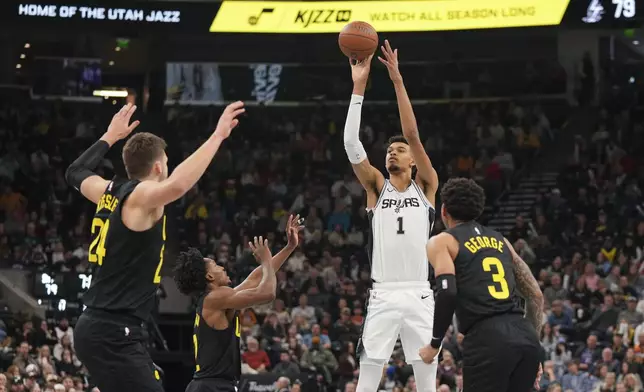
{"type": "Point", "coordinates": [530, 291]}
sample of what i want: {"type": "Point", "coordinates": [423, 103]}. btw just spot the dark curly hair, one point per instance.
{"type": "Point", "coordinates": [396, 139]}
{"type": "Point", "coordinates": [190, 272]}
{"type": "Point", "coordinates": [463, 199]}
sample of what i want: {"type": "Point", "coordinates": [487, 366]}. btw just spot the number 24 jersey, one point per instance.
{"type": "Point", "coordinates": [127, 264]}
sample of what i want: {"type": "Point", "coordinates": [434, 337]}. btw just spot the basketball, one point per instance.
{"type": "Point", "coordinates": [358, 40]}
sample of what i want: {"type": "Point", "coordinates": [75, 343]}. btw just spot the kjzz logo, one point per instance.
{"type": "Point", "coordinates": [309, 17]}
{"type": "Point", "coordinates": [254, 19]}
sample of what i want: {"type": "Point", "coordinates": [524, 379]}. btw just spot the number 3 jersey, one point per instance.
{"type": "Point", "coordinates": [127, 264]}
{"type": "Point", "coordinates": [484, 275]}
{"type": "Point", "coordinates": [401, 223]}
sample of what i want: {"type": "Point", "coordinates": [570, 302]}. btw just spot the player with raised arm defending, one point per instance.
{"type": "Point", "coordinates": [401, 213]}
{"type": "Point", "coordinates": [128, 241]}
{"type": "Point", "coordinates": [216, 328]}
{"type": "Point", "coordinates": [501, 349]}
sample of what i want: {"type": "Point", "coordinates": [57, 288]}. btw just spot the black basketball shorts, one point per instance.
{"type": "Point", "coordinates": [501, 354]}
{"type": "Point", "coordinates": [112, 348]}
{"type": "Point", "coordinates": [211, 385]}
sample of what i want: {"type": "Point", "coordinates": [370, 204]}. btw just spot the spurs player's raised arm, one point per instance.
{"type": "Point", "coordinates": [426, 175]}
{"type": "Point", "coordinates": [529, 289]}
{"type": "Point", "coordinates": [153, 194]}
{"type": "Point", "coordinates": [441, 252]}
{"type": "Point", "coordinates": [371, 178]}
{"type": "Point", "coordinates": [293, 228]}
{"type": "Point", "coordinates": [80, 174]}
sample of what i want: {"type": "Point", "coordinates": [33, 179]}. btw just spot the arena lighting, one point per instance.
{"type": "Point", "coordinates": [110, 93]}
{"type": "Point", "coordinates": [27, 45]}
{"type": "Point", "coordinates": [18, 66]}
{"type": "Point", "coordinates": [111, 63]}
{"type": "Point", "coordinates": [22, 55]}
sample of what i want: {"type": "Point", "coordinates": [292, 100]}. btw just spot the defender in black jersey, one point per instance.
{"type": "Point", "coordinates": [128, 242]}
{"type": "Point", "coordinates": [216, 328]}
{"type": "Point", "coordinates": [501, 349]}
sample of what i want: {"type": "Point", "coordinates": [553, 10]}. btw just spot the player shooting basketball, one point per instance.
{"type": "Point", "coordinates": [401, 212]}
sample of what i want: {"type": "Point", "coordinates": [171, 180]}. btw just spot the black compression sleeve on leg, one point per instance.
{"type": "Point", "coordinates": [82, 167]}
{"type": "Point", "coordinates": [445, 306]}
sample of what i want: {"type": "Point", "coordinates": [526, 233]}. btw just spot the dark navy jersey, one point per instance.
{"type": "Point", "coordinates": [127, 264]}
{"type": "Point", "coordinates": [216, 351]}
{"type": "Point", "coordinates": [484, 275]}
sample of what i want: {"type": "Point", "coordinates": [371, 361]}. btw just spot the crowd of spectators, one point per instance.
{"type": "Point", "coordinates": [291, 160]}
{"type": "Point", "coordinates": [295, 164]}
{"type": "Point", "coordinates": [585, 243]}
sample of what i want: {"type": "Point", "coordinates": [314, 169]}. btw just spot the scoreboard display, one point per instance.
{"type": "Point", "coordinates": [69, 286]}
{"type": "Point", "coordinates": [61, 292]}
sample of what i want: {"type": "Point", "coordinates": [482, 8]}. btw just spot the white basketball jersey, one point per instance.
{"type": "Point", "coordinates": [401, 223]}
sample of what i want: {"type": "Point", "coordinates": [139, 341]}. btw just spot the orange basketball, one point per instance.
{"type": "Point", "coordinates": [358, 40]}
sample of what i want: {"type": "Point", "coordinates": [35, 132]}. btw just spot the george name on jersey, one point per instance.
{"type": "Point", "coordinates": [108, 202]}
{"type": "Point", "coordinates": [474, 244]}
{"type": "Point", "coordinates": [402, 203]}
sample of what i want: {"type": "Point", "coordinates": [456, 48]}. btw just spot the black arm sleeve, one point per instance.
{"type": "Point", "coordinates": [82, 167]}
{"type": "Point", "coordinates": [445, 306]}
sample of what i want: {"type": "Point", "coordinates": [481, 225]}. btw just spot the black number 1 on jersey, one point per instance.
{"type": "Point", "coordinates": [400, 226]}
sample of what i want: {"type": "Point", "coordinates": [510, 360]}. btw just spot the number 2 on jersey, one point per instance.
{"type": "Point", "coordinates": [497, 277]}
{"type": "Point", "coordinates": [97, 247]}
{"type": "Point", "coordinates": [157, 274]}
{"type": "Point", "coordinates": [194, 340]}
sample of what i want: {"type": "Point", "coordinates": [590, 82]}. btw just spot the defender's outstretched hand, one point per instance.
{"type": "Point", "coordinates": [293, 228]}
{"type": "Point", "coordinates": [390, 61]}
{"type": "Point", "coordinates": [259, 247]}
{"type": "Point", "coordinates": [120, 127]}
{"type": "Point", "coordinates": [228, 119]}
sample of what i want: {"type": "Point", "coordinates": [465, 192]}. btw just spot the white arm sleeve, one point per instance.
{"type": "Point", "coordinates": [352, 145]}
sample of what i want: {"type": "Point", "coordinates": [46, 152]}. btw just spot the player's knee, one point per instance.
{"type": "Point", "coordinates": [366, 361]}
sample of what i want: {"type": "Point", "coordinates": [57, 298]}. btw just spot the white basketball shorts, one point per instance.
{"type": "Point", "coordinates": [404, 309]}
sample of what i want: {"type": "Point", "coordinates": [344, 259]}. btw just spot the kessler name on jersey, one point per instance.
{"type": "Point", "coordinates": [108, 202]}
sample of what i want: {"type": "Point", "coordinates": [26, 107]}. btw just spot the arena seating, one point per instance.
{"type": "Point", "coordinates": [583, 237]}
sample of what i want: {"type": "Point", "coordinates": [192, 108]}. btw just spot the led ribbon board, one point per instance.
{"type": "Point", "coordinates": [385, 16]}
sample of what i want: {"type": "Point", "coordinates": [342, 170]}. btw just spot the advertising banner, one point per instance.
{"type": "Point", "coordinates": [412, 15]}
{"type": "Point", "coordinates": [302, 17]}
{"type": "Point", "coordinates": [193, 82]}
{"type": "Point", "coordinates": [265, 382]}
{"type": "Point", "coordinates": [207, 83]}
{"type": "Point", "coordinates": [160, 16]}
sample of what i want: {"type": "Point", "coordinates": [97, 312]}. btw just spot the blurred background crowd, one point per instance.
{"type": "Point", "coordinates": [554, 142]}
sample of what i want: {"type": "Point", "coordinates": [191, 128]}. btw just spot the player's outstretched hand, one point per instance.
{"type": "Point", "coordinates": [120, 126]}
{"type": "Point", "coordinates": [428, 354]}
{"type": "Point", "coordinates": [390, 61]}
{"type": "Point", "coordinates": [293, 228]}
{"type": "Point", "coordinates": [228, 119]}
{"type": "Point", "coordinates": [360, 70]}
{"type": "Point", "coordinates": [260, 249]}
